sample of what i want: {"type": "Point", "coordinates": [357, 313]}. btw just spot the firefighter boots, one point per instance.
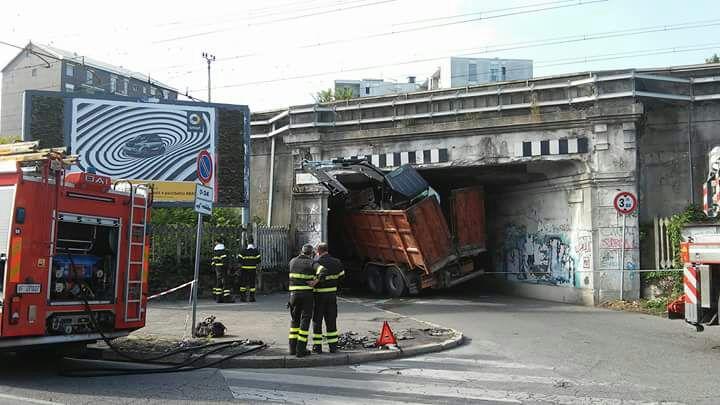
{"type": "Point", "coordinates": [333, 347]}
{"type": "Point", "coordinates": [243, 296]}
{"type": "Point", "coordinates": [317, 349]}
{"type": "Point", "coordinates": [252, 296]}
{"type": "Point", "coordinates": [293, 346]}
{"type": "Point", "coordinates": [301, 350]}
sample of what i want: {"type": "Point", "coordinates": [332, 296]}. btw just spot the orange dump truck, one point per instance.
{"type": "Point", "coordinates": [415, 248]}
{"type": "Point", "coordinates": [395, 234]}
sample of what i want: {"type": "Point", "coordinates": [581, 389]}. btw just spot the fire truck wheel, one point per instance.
{"type": "Point", "coordinates": [374, 279]}
{"type": "Point", "coordinates": [395, 282]}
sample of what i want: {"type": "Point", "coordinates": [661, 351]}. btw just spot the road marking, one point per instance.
{"type": "Point", "coordinates": [28, 400]}
{"type": "Point", "coordinates": [460, 376]}
{"type": "Point", "coordinates": [428, 389]}
{"type": "Point", "coordinates": [290, 397]}
{"type": "Point", "coordinates": [246, 381]}
{"type": "Point", "coordinates": [477, 362]}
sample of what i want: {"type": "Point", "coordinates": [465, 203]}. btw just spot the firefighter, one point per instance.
{"type": "Point", "coordinates": [219, 263]}
{"type": "Point", "coordinates": [329, 273]}
{"type": "Point", "coordinates": [249, 259]}
{"type": "Point", "coordinates": [302, 280]}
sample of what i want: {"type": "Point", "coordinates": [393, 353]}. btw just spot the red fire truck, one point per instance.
{"type": "Point", "coordinates": [700, 254]}
{"type": "Point", "coordinates": [73, 251]}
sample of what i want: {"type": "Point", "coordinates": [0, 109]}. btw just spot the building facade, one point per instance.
{"type": "Point", "coordinates": [43, 67]}
{"type": "Point", "coordinates": [377, 87]}
{"type": "Point", "coordinates": [461, 72]}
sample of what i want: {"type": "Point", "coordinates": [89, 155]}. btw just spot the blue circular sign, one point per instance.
{"type": "Point", "coordinates": [204, 167]}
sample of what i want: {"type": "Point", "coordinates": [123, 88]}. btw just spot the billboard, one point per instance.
{"type": "Point", "coordinates": [140, 141]}
{"type": "Point", "coordinates": [156, 142]}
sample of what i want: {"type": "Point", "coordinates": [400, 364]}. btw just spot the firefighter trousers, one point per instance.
{"type": "Point", "coordinates": [301, 308]}
{"type": "Point", "coordinates": [247, 280]}
{"type": "Point", "coordinates": [222, 284]}
{"type": "Point", "coordinates": [325, 309]}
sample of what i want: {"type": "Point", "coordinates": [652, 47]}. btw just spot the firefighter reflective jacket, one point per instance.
{"type": "Point", "coordinates": [302, 270]}
{"type": "Point", "coordinates": [220, 259]}
{"type": "Point", "coordinates": [249, 259]}
{"type": "Point", "coordinates": [329, 273]}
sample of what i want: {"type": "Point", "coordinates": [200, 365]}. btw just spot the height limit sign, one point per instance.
{"type": "Point", "coordinates": [625, 203]}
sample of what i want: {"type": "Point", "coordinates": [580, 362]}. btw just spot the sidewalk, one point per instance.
{"type": "Point", "coordinates": [268, 320]}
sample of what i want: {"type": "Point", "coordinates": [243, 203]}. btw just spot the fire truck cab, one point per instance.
{"type": "Point", "coordinates": [73, 253]}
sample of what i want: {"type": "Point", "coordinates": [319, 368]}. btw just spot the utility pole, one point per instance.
{"type": "Point", "coordinates": [198, 241]}
{"type": "Point", "coordinates": [210, 59]}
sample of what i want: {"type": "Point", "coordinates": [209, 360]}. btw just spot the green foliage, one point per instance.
{"type": "Point", "coordinates": [655, 306]}
{"type": "Point", "coordinates": [9, 139]}
{"type": "Point", "coordinates": [713, 59]}
{"type": "Point", "coordinates": [328, 96]}
{"type": "Point", "coordinates": [187, 216]}
{"type": "Point", "coordinates": [672, 281]}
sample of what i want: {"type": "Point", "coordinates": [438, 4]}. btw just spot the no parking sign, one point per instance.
{"type": "Point", "coordinates": [204, 167]}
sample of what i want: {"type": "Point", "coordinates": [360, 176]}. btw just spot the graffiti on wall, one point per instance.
{"type": "Point", "coordinates": [540, 257]}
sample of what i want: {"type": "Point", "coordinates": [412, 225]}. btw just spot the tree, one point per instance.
{"type": "Point", "coordinates": [328, 96]}
{"type": "Point", "coordinates": [713, 59]}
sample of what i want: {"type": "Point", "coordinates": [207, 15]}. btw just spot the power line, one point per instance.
{"type": "Point", "coordinates": [388, 33]}
{"type": "Point", "coordinates": [504, 47]}
{"type": "Point", "coordinates": [335, 10]}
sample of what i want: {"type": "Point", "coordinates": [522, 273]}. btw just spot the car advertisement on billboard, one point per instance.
{"type": "Point", "coordinates": [140, 141]}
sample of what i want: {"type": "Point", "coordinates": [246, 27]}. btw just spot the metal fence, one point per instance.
{"type": "Point", "coordinates": [664, 249]}
{"type": "Point", "coordinates": [177, 242]}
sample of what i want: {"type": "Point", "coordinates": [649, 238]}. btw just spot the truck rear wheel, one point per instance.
{"type": "Point", "coordinates": [395, 282]}
{"type": "Point", "coordinates": [374, 279]}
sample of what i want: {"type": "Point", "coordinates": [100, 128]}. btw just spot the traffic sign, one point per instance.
{"type": "Point", "coordinates": [204, 167]}
{"type": "Point", "coordinates": [625, 203]}
{"type": "Point", "coordinates": [203, 199]}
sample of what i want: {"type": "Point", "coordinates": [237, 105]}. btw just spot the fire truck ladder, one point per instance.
{"type": "Point", "coordinates": [137, 234]}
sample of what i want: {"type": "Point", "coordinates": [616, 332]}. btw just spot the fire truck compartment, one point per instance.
{"type": "Point", "coordinates": [87, 257]}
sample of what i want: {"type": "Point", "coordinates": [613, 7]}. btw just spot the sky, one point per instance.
{"type": "Point", "coordinates": [271, 54]}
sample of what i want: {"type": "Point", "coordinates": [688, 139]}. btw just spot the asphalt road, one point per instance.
{"type": "Point", "coordinates": [518, 351]}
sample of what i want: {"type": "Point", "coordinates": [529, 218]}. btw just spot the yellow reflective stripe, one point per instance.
{"type": "Point", "coordinates": [335, 276]}
{"type": "Point", "coordinates": [302, 276]}
{"type": "Point", "coordinates": [248, 267]}
{"type": "Point", "coordinates": [243, 289]}
{"type": "Point", "coordinates": [302, 338]}
{"type": "Point", "coordinates": [331, 334]}
{"type": "Point", "coordinates": [292, 337]}
{"type": "Point", "coordinates": [300, 287]}
{"type": "Point", "coordinates": [294, 330]}
{"type": "Point", "coordinates": [219, 257]}
{"type": "Point", "coordinates": [317, 339]}
{"type": "Point", "coordinates": [249, 257]}
{"type": "Point", "coordinates": [333, 340]}
{"type": "Point", "coordinates": [252, 289]}
{"type": "Point", "coordinates": [319, 269]}
{"type": "Point", "coordinates": [324, 290]}
{"type": "Point", "coordinates": [303, 332]}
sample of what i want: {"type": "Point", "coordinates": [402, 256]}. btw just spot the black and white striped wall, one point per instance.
{"type": "Point", "coordinates": [552, 147]}
{"type": "Point", "coordinates": [396, 159]}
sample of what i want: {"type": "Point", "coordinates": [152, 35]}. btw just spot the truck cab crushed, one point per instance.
{"type": "Point", "coordinates": [396, 232]}
{"type": "Point", "coordinates": [75, 249]}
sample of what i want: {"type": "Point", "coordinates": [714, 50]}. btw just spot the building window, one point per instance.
{"type": "Point", "coordinates": [135, 88]}
{"type": "Point", "coordinates": [494, 74]}
{"type": "Point", "coordinates": [472, 72]}
{"type": "Point", "coordinates": [70, 70]}
{"type": "Point", "coordinates": [153, 91]}
{"type": "Point", "coordinates": [166, 94]}
{"type": "Point", "coordinates": [33, 72]}
{"type": "Point", "coordinates": [503, 73]}
{"type": "Point", "coordinates": [89, 77]}
{"type": "Point", "coordinates": [113, 84]}
{"type": "Point", "coordinates": [144, 90]}
{"type": "Point", "coordinates": [125, 87]}
{"type": "Point", "coordinates": [367, 90]}
{"type": "Point", "coordinates": [69, 87]}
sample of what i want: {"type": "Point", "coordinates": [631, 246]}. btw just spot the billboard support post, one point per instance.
{"type": "Point", "coordinates": [196, 277]}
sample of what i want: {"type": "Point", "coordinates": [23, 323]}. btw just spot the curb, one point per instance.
{"type": "Point", "coordinates": [342, 359]}
{"type": "Point", "coordinates": [325, 360]}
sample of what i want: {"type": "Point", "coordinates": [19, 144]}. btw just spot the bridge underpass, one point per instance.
{"type": "Point", "coordinates": [551, 154]}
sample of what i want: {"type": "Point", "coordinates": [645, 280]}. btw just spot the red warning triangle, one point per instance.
{"type": "Point", "coordinates": [386, 336]}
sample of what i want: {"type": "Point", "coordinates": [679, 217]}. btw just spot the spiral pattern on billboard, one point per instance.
{"type": "Point", "coordinates": [132, 140]}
